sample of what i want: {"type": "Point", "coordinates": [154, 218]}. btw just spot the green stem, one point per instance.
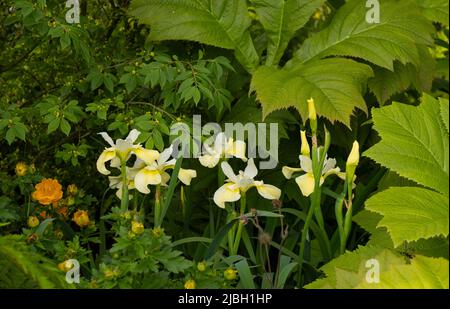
{"type": "Point", "coordinates": [340, 222]}
{"type": "Point", "coordinates": [348, 221]}
{"type": "Point", "coordinates": [304, 233]}
{"type": "Point", "coordinates": [157, 222]}
{"type": "Point", "coordinates": [230, 234]}
{"type": "Point", "coordinates": [237, 239]}
{"type": "Point", "coordinates": [124, 201]}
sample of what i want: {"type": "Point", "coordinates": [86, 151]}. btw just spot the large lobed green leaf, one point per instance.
{"type": "Point", "coordinates": [422, 273]}
{"type": "Point", "coordinates": [411, 213]}
{"type": "Point", "coordinates": [335, 84]}
{"type": "Point", "coordinates": [386, 83]}
{"type": "Point", "coordinates": [435, 10]}
{"type": "Point", "coordinates": [221, 23]}
{"type": "Point", "coordinates": [350, 270]}
{"type": "Point", "coordinates": [402, 26]}
{"type": "Point", "coordinates": [281, 19]}
{"type": "Point", "coordinates": [414, 142]}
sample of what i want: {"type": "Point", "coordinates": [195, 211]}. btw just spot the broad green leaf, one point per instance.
{"type": "Point", "coordinates": [53, 125]}
{"type": "Point", "coordinates": [221, 23]}
{"type": "Point", "coordinates": [444, 112]}
{"type": "Point", "coordinates": [411, 213]}
{"type": "Point", "coordinates": [349, 269]}
{"type": "Point", "coordinates": [281, 19]}
{"type": "Point", "coordinates": [432, 247]}
{"type": "Point", "coordinates": [386, 83]}
{"type": "Point", "coordinates": [401, 27]}
{"type": "Point", "coordinates": [335, 84]}
{"type": "Point", "coordinates": [285, 270]}
{"type": "Point", "coordinates": [65, 126]}
{"type": "Point", "coordinates": [435, 10]}
{"type": "Point", "coordinates": [422, 273]}
{"type": "Point", "coordinates": [392, 179]}
{"type": "Point", "coordinates": [245, 275]}
{"type": "Point", "coordinates": [379, 235]}
{"type": "Point", "coordinates": [414, 142]}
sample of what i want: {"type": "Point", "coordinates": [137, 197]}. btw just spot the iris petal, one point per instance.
{"type": "Point", "coordinates": [107, 155]}
{"type": "Point", "coordinates": [226, 193]}
{"type": "Point", "coordinates": [306, 183]}
{"type": "Point", "coordinates": [146, 177]}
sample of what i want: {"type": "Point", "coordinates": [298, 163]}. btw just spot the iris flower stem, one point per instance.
{"type": "Point", "coordinates": [237, 239]}
{"type": "Point", "coordinates": [230, 234]}
{"type": "Point", "coordinates": [340, 222]}
{"type": "Point", "coordinates": [348, 221]}
{"type": "Point", "coordinates": [315, 203]}
{"type": "Point", "coordinates": [157, 206]}
{"type": "Point", "coordinates": [124, 201]}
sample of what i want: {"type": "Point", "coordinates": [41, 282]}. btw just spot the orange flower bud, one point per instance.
{"type": "Point", "coordinates": [81, 218]}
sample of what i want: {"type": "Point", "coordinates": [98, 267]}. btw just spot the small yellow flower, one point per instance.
{"type": "Point", "coordinates": [201, 267]}
{"type": "Point", "coordinates": [190, 284]}
{"type": "Point", "coordinates": [65, 266]}
{"type": "Point", "coordinates": [318, 15]}
{"type": "Point", "coordinates": [230, 274]}
{"type": "Point", "coordinates": [72, 189]}
{"type": "Point", "coordinates": [21, 169]}
{"type": "Point", "coordinates": [137, 227]}
{"type": "Point", "coordinates": [158, 232]}
{"type": "Point", "coordinates": [81, 218]}
{"type": "Point", "coordinates": [33, 221]}
{"type": "Point", "coordinates": [110, 274]}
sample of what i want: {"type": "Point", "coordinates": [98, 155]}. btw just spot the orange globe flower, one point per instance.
{"type": "Point", "coordinates": [81, 218]}
{"type": "Point", "coordinates": [48, 191]}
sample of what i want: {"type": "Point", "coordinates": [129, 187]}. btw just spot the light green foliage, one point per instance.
{"type": "Point", "coordinates": [435, 10]}
{"type": "Point", "coordinates": [398, 37]}
{"type": "Point", "coordinates": [59, 115]}
{"type": "Point", "coordinates": [422, 273]}
{"type": "Point", "coordinates": [214, 22]}
{"type": "Point", "coordinates": [401, 27]}
{"type": "Point", "coordinates": [411, 219]}
{"type": "Point", "coordinates": [415, 145]}
{"type": "Point", "coordinates": [379, 236]}
{"type": "Point", "coordinates": [411, 213]}
{"type": "Point", "coordinates": [281, 19]}
{"type": "Point", "coordinates": [349, 270]}
{"type": "Point", "coordinates": [71, 153]}
{"type": "Point", "coordinates": [386, 83]}
{"type": "Point", "coordinates": [414, 142]}
{"type": "Point", "coordinates": [14, 127]}
{"type": "Point", "coordinates": [336, 93]}
{"type": "Point", "coordinates": [138, 258]}
{"type": "Point", "coordinates": [21, 267]}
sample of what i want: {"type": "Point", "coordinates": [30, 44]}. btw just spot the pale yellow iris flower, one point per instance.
{"type": "Point", "coordinates": [121, 150]}
{"type": "Point", "coordinates": [237, 184]}
{"type": "Point", "coordinates": [222, 148]}
{"type": "Point", "coordinates": [153, 172]}
{"type": "Point", "coordinates": [306, 181]}
{"type": "Point", "coordinates": [116, 182]}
